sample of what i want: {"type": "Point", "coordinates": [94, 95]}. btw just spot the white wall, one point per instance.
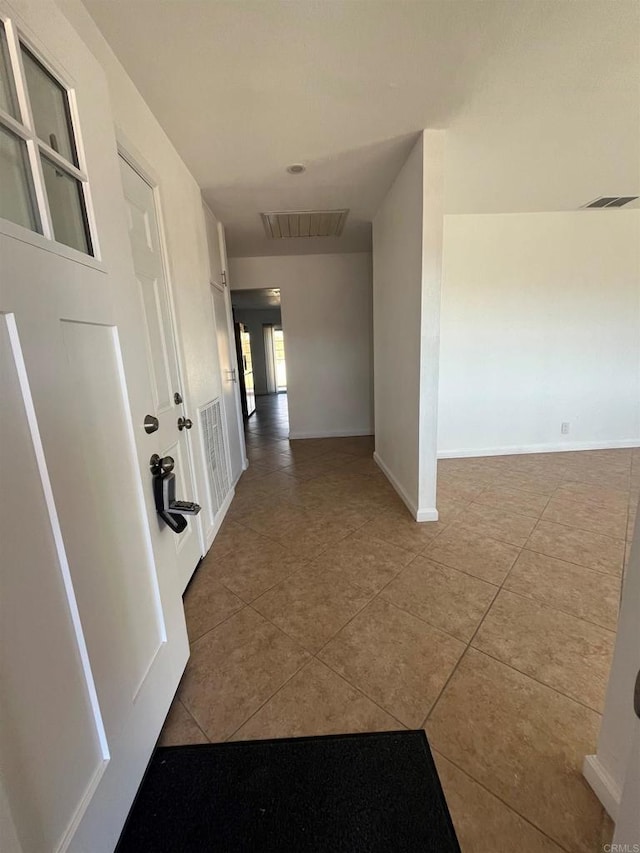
{"type": "Point", "coordinates": [255, 320]}
{"type": "Point", "coordinates": [407, 255]}
{"type": "Point", "coordinates": [540, 326]}
{"type": "Point", "coordinates": [327, 323]}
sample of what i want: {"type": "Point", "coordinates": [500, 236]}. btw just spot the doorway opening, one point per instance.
{"type": "Point", "coordinates": [261, 349]}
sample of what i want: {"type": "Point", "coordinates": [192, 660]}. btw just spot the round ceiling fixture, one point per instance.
{"type": "Point", "coordinates": [296, 169]}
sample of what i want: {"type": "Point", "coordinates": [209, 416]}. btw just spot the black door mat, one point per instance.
{"type": "Point", "coordinates": [352, 793]}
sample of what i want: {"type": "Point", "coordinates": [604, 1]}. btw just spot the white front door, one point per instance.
{"type": "Point", "coordinates": [93, 640]}
{"type": "Point", "coordinates": [172, 426]}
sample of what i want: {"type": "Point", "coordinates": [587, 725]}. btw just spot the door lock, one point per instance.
{"type": "Point", "coordinates": [171, 511]}
{"type": "Point", "coordinates": [184, 423]}
{"type": "Point", "coordinates": [151, 424]}
{"type": "Point", "coordinates": [177, 398]}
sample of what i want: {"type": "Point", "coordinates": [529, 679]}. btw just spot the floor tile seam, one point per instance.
{"type": "Point", "coordinates": [300, 669]}
{"type": "Point", "coordinates": [360, 690]}
{"type": "Point", "coordinates": [585, 529]}
{"type": "Point", "coordinates": [421, 618]}
{"type": "Point", "coordinates": [426, 555]}
{"type": "Point", "coordinates": [434, 704]}
{"type": "Point", "coordinates": [500, 507]}
{"type": "Point", "coordinates": [395, 606]}
{"type": "Point", "coordinates": [545, 606]}
{"type": "Point", "coordinates": [470, 645]}
{"type": "Point", "coordinates": [493, 536]}
{"type": "Point", "coordinates": [295, 640]}
{"type": "Point", "coordinates": [370, 602]}
{"type": "Point", "coordinates": [196, 723]}
{"type": "Point", "coordinates": [427, 621]}
{"type": "Point", "coordinates": [571, 528]}
{"type": "Point", "coordinates": [299, 567]}
{"type": "Point", "coordinates": [587, 504]}
{"type": "Point", "coordinates": [572, 562]}
{"type": "Point", "coordinates": [222, 621]}
{"type": "Point", "coordinates": [556, 690]}
{"type": "Point", "coordinates": [471, 639]}
{"type": "Point", "coordinates": [485, 787]}
{"type": "Point", "coordinates": [474, 502]}
{"type": "Point", "coordinates": [592, 502]}
{"type": "Point", "coordinates": [556, 608]}
{"type": "Point", "coordinates": [525, 489]}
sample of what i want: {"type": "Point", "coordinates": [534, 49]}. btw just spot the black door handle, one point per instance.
{"type": "Point", "coordinates": [184, 423]}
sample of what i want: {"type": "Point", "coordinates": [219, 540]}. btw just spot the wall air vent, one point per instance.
{"type": "Point", "coordinates": [304, 223]}
{"type": "Point", "coordinates": [611, 201]}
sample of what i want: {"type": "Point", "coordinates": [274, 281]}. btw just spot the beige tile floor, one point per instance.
{"type": "Point", "coordinates": [323, 607]}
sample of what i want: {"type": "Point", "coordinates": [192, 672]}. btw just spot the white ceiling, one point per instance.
{"type": "Point", "coordinates": [540, 98]}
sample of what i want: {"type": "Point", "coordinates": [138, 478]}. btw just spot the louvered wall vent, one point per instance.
{"type": "Point", "coordinates": [611, 201]}
{"type": "Point", "coordinates": [304, 223]}
{"type": "Point", "coordinates": [215, 454]}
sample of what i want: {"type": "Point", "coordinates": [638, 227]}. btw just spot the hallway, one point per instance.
{"type": "Point", "coordinates": [323, 607]}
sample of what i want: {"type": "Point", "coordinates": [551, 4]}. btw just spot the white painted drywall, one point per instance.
{"type": "Point", "coordinates": [540, 326]}
{"type": "Point", "coordinates": [327, 323]}
{"type": "Point", "coordinates": [407, 257]}
{"type": "Point", "coordinates": [255, 320]}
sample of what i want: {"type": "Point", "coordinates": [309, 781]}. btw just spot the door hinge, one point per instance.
{"type": "Point", "coordinates": [224, 278]}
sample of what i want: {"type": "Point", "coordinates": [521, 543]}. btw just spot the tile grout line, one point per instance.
{"type": "Point", "coordinates": [187, 711]}
{"type": "Point", "coordinates": [537, 680]}
{"type": "Point", "coordinates": [300, 669]}
{"type": "Point", "coordinates": [500, 799]}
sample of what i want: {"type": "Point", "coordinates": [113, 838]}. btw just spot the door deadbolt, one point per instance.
{"type": "Point", "coordinates": [151, 424]}
{"type": "Point", "coordinates": [177, 398]}
{"type": "Point", "coordinates": [184, 423]}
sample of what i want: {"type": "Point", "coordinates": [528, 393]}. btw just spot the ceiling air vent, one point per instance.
{"type": "Point", "coordinates": [304, 223]}
{"type": "Point", "coordinates": [611, 201]}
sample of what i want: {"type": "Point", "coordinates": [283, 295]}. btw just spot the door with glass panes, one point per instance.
{"type": "Point", "coordinates": [93, 640]}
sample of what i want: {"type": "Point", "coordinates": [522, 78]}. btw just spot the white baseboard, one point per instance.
{"type": "Point", "coordinates": [539, 448]}
{"type": "Point", "coordinates": [430, 514]}
{"type": "Point", "coordinates": [603, 785]}
{"type": "Point", "coordinates": [339, 433]}
{"type": "Point", "coordinates": [427, 515]}
{"type": "Point", "coordinates": [224, 509]}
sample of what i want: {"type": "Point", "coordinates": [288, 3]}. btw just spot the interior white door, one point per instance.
{"type": "Point", "coordinates": [92, 633]}
{"type": "Point", "coordinates": [229, 376]}
{"type": "Point", "coordinates": [171, 436]}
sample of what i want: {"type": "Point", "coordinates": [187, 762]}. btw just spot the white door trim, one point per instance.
{"type": "Point", "coordinates": [232, 341]}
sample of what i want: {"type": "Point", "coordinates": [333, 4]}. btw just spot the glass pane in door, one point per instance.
{"type": "Point", "coordinates": [50, 108]}
{"type": "Point", "coordinates": [17, 197]}
{"type": "Point", "coordinates": [8, 99]}
{"type": "Point", "coordinates": [66, 203]}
